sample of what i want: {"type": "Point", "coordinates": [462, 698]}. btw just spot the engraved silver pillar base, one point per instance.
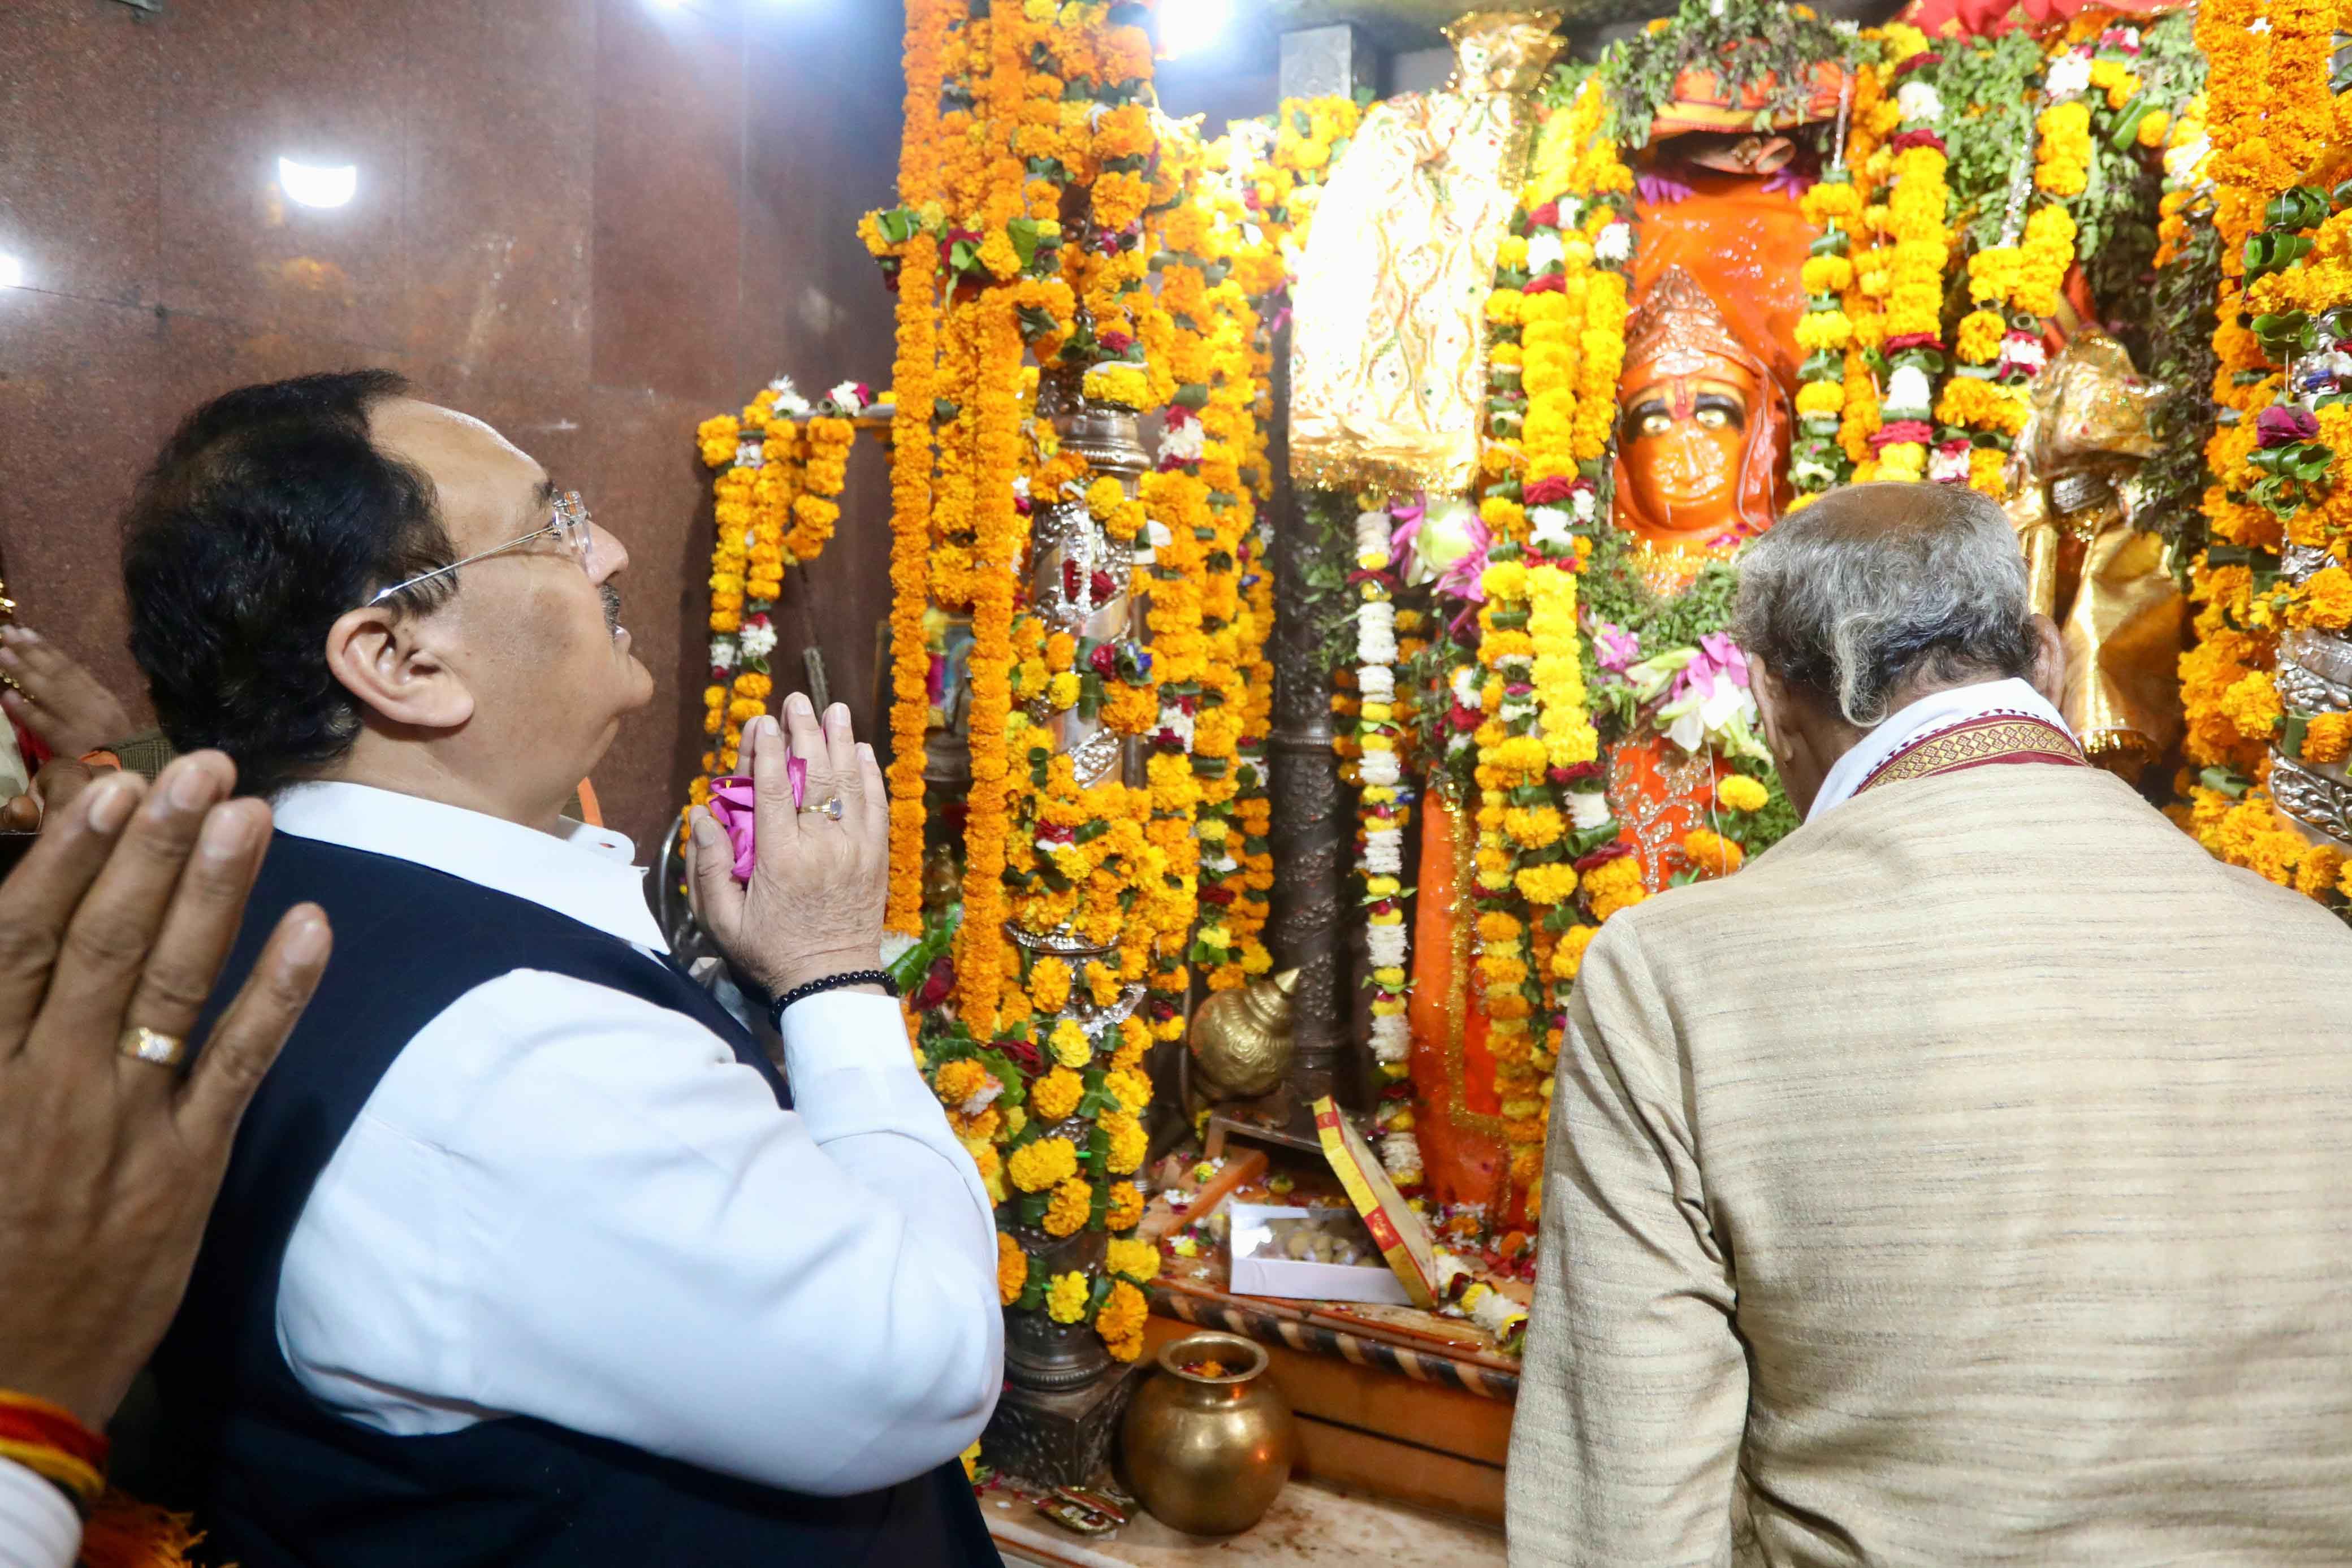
{"type": "Point", "coordinates": [1064, 1394]}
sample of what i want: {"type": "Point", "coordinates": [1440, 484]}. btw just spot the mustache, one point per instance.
{"type": "Point", "coordinates": [612, 597]}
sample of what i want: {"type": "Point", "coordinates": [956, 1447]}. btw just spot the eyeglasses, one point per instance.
{"type": "Point", "coordinates": [572, 527]}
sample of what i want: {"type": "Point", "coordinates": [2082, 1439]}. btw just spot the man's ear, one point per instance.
{"type": "Point", "coordinates": [388, 661]}
{"type": "Point", "coordinates": [1771, 705]}
{"type": "Point", "coordinates": [2049, 674]}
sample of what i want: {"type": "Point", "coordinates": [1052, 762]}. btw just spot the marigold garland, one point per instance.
{"type": "Point", "coordinates": [774, 506]}
{"type": "Point", "coordinates": [2275, 154]}
{"type": "Point", "coordinates": [1912, 224]}
{"type": "Point", "coordinates": [1234, 878]}
{"type": "Point", "coordinates": [1557, 316]}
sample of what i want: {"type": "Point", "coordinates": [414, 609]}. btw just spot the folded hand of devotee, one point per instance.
{"type": "Point", "coordinates": [54, 788]}
{"type": "Point", "coordinates": [57, 699]}
{"type": "Point", "coordinates": [112, 933]}
{"type": "Point", "coordinates": [814, 903]}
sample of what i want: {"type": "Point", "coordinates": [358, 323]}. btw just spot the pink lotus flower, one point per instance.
{"type": "Point", "coordinates": [734, 802]}
{"type": "Point", "coordinates": [1719, 659]}
{"type": "Point", "coordinates": [1617, 648]}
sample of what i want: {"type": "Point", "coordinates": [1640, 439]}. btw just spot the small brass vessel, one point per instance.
{"type": "Point", "coordinates": [1208, 1454]}
{"type": "Point", "coordinates": [1240, 1039]}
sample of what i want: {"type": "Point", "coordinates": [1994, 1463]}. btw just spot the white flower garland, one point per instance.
{"type": "Point", "coordinates": [1382, 856]}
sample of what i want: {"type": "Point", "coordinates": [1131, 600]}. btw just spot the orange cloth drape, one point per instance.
{"type": "Point", "coordinates": [1457, 1115]}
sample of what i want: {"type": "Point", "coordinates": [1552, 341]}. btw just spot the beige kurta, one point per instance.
{"type": "Point", "coordinates": [1971, 1172]}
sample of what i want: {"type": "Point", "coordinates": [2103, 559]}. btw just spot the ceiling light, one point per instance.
{"type": "Point", "coordinates": [12, 271]}
{"type": "Point", "coordinates": [1191, 26]}
{"type": "Point", "coordinates": [317, 186]}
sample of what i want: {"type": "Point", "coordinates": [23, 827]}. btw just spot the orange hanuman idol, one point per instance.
{"type": "Point", "coordinates": [1702, 442]}
{"type": "Point", "coordinates": [1703, 421]}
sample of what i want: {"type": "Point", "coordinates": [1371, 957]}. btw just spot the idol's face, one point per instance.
{"type": "Point", "coordinates": [1684, 438]}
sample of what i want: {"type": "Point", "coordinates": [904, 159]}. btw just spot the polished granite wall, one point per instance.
{"type": "Point", "coordinates": [592, 223]}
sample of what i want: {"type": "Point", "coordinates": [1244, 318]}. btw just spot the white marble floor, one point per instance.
{"type": "Point", "coordinates": [1311, 1526]}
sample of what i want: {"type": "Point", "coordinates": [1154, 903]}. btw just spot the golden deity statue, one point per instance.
{"type": "Point", "coordinates": [1389, 359]}
{"type": "Point", "coordinates": [2091, 565]}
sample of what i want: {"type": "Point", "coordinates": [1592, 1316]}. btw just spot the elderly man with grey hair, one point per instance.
{"type": "Point", "coordinates": [1963, 1181]}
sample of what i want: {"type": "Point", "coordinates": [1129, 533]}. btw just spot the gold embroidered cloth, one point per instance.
{"type": "Point", "coordinates": [1978, 743]}
{"type": "Point", "coordinates": [1388, 359]}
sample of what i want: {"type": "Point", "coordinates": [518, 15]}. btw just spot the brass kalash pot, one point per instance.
{"type": "Point", "coordinates": [1241, 1041]}
{"type": "Point", "coordinates": [1208, 1452]}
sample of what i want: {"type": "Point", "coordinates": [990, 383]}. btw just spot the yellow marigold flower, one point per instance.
{"type": "Point", "coordinates": [2324, 602]}
{"type": "Point", "coordinates": [2253, 705]}
{"type": "Point", "coordinates": [1131, 1089]}
{"type": "Point", "coordinates": [1056, 1096]}
{"type": "Point", "coordinates": [1012, 1269]}
{"type": "Point", "coordinates": [1049, 984]}
{"type": "Point", "coordinates": [1072, 1201]}
{"type": "Point", "coordinates": [1827, 275]}
{"type": "Point", "coordinates": [2320, 871]}
{"type": "Point", "coordinates": [1821, 399]}
{"type": "Point", "coordinates": [1613, 886]}
{"type": "Point", "coordinates": [1071, 1047]}
{"type": "Point", "coordinates": [1545, 884]}
{"type": "Point", "coordinates": [1037, 1166]}
{"type": "Point", "coordinates": [1066, 1297]}
{"type": "Point", "coordinates": [961, 1082]}
{"type": "Point", "coordinates": [1534, 827]}
{"type": "Point", "coordinates": [2328, 738]}
{"type": "Point", "coordinates": [1138, 1260]}
{"type": "Point", "coordinates": [990, 1163]}
{"type": "Point", "coordinates": [1126, 1211]}
{"type": "Point", "coordinates": [1712, 853]}
{"type": "Point", "coordinates": [1980, 336]}
{"type": "Point", "coordinates": [1505, 580]}
{"type": "Point", "coordinates": [1739, 792]}
{"type": "Point", "coordinates": [1120, 1321]}
{"type": "Point", "coordinates": [1823, 330]}
{"type": "Point", "coordinates": [1127, 1142]}
{"type": "Point", "coordinates": [1567, 957]}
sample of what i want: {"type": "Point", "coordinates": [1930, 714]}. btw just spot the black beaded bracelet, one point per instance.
{"type": "Point", "coordinates": [831, 983]}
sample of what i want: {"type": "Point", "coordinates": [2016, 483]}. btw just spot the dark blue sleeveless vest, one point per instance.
{"type": "Point", "coordinates": [282, 1481]}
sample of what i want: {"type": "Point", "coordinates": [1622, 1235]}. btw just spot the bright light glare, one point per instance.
{"type": "Point", "coordinates": [314, 186]}
{"type": "Point", "coordinates": [1188, 27]}
{"type": "Point", "coordinates": [12, 271]}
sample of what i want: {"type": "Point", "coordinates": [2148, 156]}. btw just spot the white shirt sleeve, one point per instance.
{"type": "Point", "coordinates": [39, 1527]}
{"type": "Point", "coordinates": [566, 1203]}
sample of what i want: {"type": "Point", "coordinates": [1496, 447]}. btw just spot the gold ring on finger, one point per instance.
{"type": "Point", "coordinates": [143, 1044]}
{"type": "Point", "coordinates": [830, 809]}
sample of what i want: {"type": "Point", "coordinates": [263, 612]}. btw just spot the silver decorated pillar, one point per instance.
{"type": "Point", "coordinates": [1064, 1394]}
